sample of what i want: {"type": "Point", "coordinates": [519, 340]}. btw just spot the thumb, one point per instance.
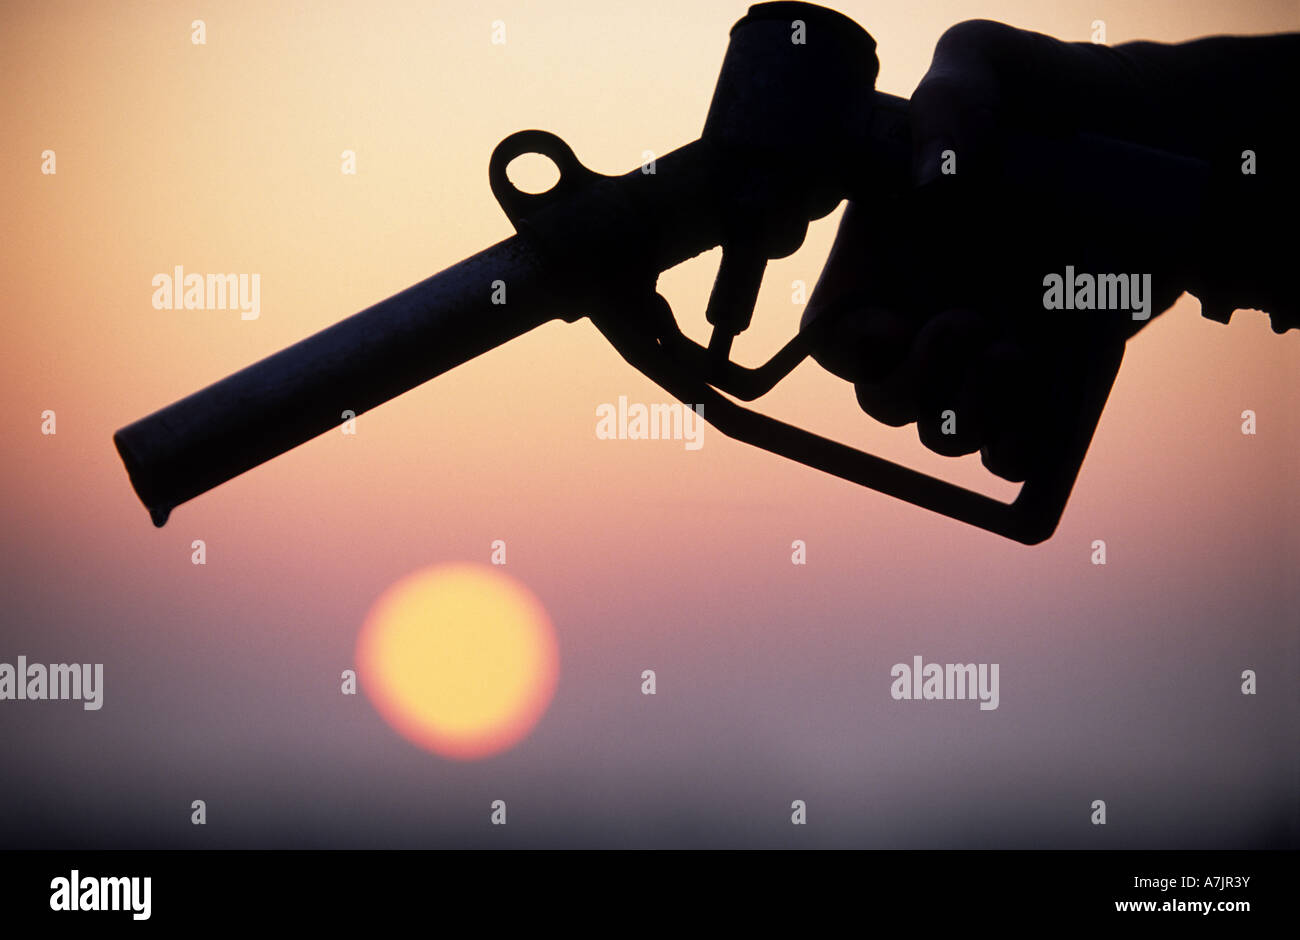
{"type": "Point", "coordinates": [986, 77]}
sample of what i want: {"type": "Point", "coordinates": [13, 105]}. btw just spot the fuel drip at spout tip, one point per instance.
{"type": "Point", "coordinates": [157, 513]}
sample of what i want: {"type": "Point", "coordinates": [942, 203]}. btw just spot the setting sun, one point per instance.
{"type": "Point", "coordinates": [459, 659]}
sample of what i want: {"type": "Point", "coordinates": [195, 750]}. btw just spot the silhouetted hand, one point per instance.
{"type": "Point", "coordinates": [941, 316]}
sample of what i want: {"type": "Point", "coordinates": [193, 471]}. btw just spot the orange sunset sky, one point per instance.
{"type": "Point", "coordinates": [773, 678]}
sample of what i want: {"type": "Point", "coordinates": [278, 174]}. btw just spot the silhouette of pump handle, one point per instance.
{"type": "Point", "coordinates": [795, 127]}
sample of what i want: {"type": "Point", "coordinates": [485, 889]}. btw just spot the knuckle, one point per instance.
{"type": "Point", "coordinates": [973, 34]}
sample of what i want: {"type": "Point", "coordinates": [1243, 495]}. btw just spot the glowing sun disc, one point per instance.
{"type": "Point", "coordinates": [459, 659]}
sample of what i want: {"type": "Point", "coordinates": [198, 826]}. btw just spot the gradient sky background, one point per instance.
{"type": "Point", "coordinates": [222, 682]}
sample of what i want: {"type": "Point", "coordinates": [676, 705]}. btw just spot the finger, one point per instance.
{"type": "Point", "coordinates": [984, 73]}
{"type": "Point", "coordinates": [952, 426]}
{"type": "Point", "coordinates": [873, 257]}
{"type": "Point", "coordinates": [931, 372]}
{"type": "Point", "coordinates": [865, 345]}
{"type": "Point", "coordinates": [1007, 381]}
{"type": "Point", "coordinates": [864, 341]}
{"type": "Point", "coordinates": [954, 106]}
{"type": "Point", "coordinates": [871, 344]}
{"type": "Point", "coordinates": [846, 267]}
{"type": "Point", "coordinates": [892, 400]}
{"type": "Point", "coordinates": [1008, 457]}
{"type": "Point", "coordinates": [943, 355]}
